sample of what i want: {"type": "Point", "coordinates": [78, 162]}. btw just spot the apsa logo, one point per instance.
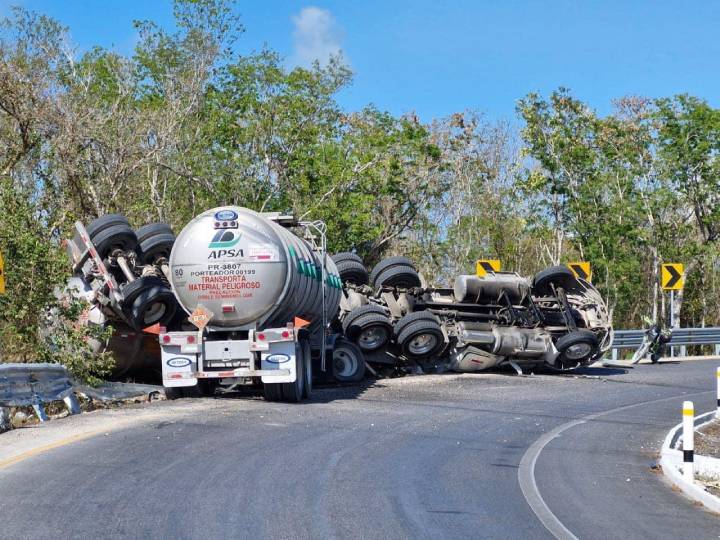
{"type": "Point", "coordinates": [224, 240]}
{"type": "Point", "coordinates": [178, 362]}
{"type": "Point", "coordinates": [277, 358]}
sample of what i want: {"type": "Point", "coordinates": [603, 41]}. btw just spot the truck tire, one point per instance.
{"type": "Point", "coordinates": [147, 301]}
{"type": "Point", "coordinates": [346, 256]}
{"type": "Point", "coordinates": [402, 276]}
{"type": "Point", "coordinates": [155, 241]}
{"type": "Point", "coordinates": [178, 392]}
{"type": "Point", "coordinates": [103, 222]}
{"type": "Point", "coordinates": [153, 229]}
{"type": "Point", "coordinates": [207, 387]}
{"type": "Point", "coordinates": [157, 247]}
{"type": "Point", "coordinates": [368, 326]}
{"type": "Point", "coordinates": [348, 361]}
{"type": "Point", "coordinates": [400, 325]}
{"type": "Point", "coordinates": [358, 312]}
{"type": "Point", "coordinates": [420, 338]}
{"type": "Point", "coordinates": [156, 306]}
{"type": "Point", "coordinates": [575, 348]}
{"type": "Point", "coordinates": [389, 263]}
{"type": "Point", "coordinates": [293, 392]}
{"type": "Point", "coordinates": [119, 236]}
{"type": "Point", "coordinates": [352, 271]}
{"type": "Point", "coordinates": [272, 391]}
{"type": "Point", "coordinates": [559, 276]}
{"type": "Point", "coordinates": [308, 371]}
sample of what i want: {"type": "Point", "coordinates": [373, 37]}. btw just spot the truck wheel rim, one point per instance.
{"type": "Point", "coordinates": [578, 351]}
{"type": "Point", "coordinates": [154, 313]}
{"type": "Point", "coordinates": [373, 337]}
{"type": "Point", "coordinates": [345, 363]}
{"type": "Point", "coordinates": [422, 344]}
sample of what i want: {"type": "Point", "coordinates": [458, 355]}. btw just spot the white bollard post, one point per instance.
{"type": "Point", "coordinates": [688, 412]}
{"type": "Point", "coordinates": [717, 377]}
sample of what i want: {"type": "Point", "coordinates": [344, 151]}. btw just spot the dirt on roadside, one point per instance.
{"type": "Point", "coordinates": [707, 443]}
{"type": "Point", "coordinates": [707, 440]}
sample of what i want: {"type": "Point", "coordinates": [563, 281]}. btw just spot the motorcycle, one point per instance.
{"type": "Point", "coordinates": [654, 342]}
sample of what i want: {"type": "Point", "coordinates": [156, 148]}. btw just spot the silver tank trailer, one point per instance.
{"type": "Point", "coordinates": [250, 272]}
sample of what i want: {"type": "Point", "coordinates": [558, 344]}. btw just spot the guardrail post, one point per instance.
{"type": "Point", "coordinates": [683, 350]}
{"type": "Point", "coordinates": [614, 354]}
{"type": "Point", "coordinates": [5, 418]}
{"type": "Point", "coordinates": [40, 412]}
{"type": "Point", "coordinates": [688, 412]}
{"type": "Point", "coordinates": [717, 349]}
{"type": "Point", "coordinates": [72, 404]}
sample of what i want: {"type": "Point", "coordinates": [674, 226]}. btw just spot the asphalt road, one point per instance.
{"type": "Point", "coordinates": [420, 457]}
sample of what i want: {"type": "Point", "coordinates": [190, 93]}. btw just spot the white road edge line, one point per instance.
{"type": "Point", "coordinates": [526, 470]}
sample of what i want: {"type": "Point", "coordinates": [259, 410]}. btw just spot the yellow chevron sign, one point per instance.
{"type": "Point", "coordinates": [486, 266]}
{"type": "Point", "coordinates": [581, 269]}
{"type": "Point", "coordinates": [672, 276]}
{"type": "Point", "coordinates": [2, 275]}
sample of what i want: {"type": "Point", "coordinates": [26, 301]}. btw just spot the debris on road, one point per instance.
{"type": "Point", "coordinates": [33, 393]}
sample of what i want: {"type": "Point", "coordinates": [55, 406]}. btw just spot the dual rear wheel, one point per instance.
{"type": "Point", "coordinates": [301, 388]}
{"type": "Point", "coordinates": [368, 326]}
{"type": "Point", "coordinates": [419, 335]}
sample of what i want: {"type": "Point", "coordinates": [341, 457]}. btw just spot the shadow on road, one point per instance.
{"type": "Point", "coordinates": [598, 371]}
{"type": "Point", "coordinates": [322, 392]}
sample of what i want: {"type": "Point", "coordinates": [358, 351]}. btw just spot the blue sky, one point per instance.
{"type": "Point", "coordinates": [436, 57]}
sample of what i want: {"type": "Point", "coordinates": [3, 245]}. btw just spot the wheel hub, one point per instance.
{"type": "Point", "coordinates": [154, 313]}
{"type": "Point", "coordinates": [344, 362]}
{"type": "Point", "coordinates": [422, 344]}
{"type": "Point", "coordinates": [373, 337]}
{"type": "Point", "coordinates": [578, 351]}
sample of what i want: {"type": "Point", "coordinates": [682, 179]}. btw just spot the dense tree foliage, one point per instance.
{"type": "Point", "coordinates": [184, 124]}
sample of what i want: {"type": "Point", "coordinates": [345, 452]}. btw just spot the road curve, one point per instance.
{"type": "Point", "coordinates": [420, 457]}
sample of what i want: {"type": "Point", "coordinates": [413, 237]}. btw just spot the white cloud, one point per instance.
{"type": "Point", "coordinates": [317, 36]}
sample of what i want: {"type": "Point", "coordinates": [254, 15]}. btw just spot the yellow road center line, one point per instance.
{"type": "Point", "coordinates": [51, 446]}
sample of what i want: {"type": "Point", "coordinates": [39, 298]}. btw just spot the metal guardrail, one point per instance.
{"type": "Point", "coordinates": [682, 337]}
{"type": "Point", "coordinates": [35, 385]}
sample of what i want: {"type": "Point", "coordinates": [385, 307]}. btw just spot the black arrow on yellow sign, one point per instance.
{"type": "Point", "coordinates": [486, 266]}
{"type": "Point", "coordinates": [580, 269]}
{"type": "Point", "coordinates": [672, 276]}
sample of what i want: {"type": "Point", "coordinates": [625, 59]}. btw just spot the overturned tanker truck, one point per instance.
{"type": "Point", "coordinates": [236, 299]}
{"type": "Point", "coordinates": [552, 320]}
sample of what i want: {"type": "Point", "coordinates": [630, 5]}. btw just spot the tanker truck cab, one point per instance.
{"type": "Point", "coordinates": [257, 295]}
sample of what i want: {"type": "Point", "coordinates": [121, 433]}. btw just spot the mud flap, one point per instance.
{"type": "Point", "coordinates": [178, 369]}
{"type": "Point", "coordinates": [279, 356]}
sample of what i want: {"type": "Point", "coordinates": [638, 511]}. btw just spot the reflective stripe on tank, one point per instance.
{"type": "Point", "coordinates": [306, 268]}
